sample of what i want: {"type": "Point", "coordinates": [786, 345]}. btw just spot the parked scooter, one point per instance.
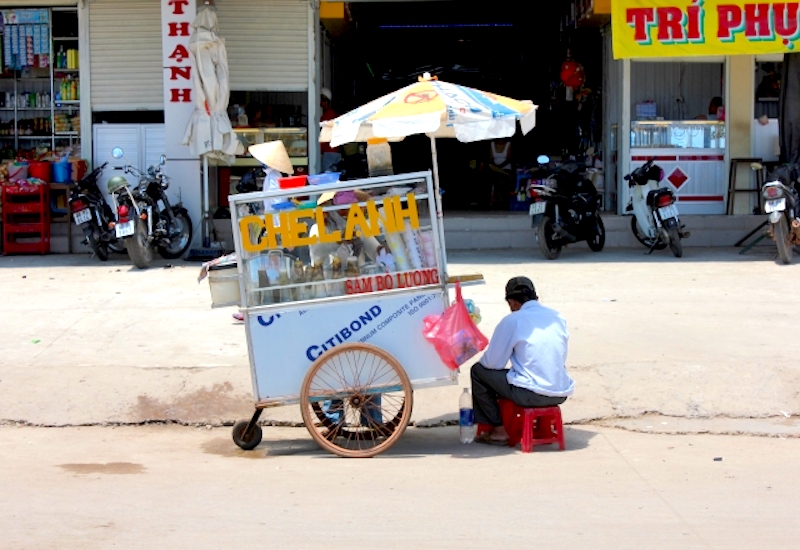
{"type": "Point", "coordinates": [780, 203]}
{"type": "Point", "coordinates": [92, 213]}
{"type": "Point", "coordinates": [141, 222]}
{"type": "Point", "coordinates": [655, 221]}
{"type": "Point", "coordinates": [566, 207]}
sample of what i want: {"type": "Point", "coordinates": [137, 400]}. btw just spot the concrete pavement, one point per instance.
{"type": "Point", "coordinates": [182, 487]}
{"type": "Point", "coordinates": [698, 344]}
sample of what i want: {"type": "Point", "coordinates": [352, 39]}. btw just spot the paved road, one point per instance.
{"type": "Point", "coordinates": [181, 487]}
{"type": "Point", "coordinates": [704, 343]}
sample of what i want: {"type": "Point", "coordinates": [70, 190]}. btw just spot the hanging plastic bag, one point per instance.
{"type": "Point", "coordinates": [454, 334]}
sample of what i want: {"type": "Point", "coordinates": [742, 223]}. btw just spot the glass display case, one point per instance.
{"type": "Point", "coordinates": [332, 241]}
{"type": "Point", "coordinates": [295, 140]}
{"type": "Point", "coordinates": [667, 134]}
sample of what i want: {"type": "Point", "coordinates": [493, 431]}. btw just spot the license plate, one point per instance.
{"type": "Point", "coordinates": [774, 206]}
{"type": "Point", "coordinates": [537, 208]}
{"type": "Point", "coordinates": [124, 229]}
{"type": "Point", "coordinates": [82, 216]}
{"type": "Point", "coordinates": [667, 212]}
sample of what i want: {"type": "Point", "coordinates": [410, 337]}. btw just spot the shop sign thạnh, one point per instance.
{"type": "Point", "coordinates": [670, 28]}
{"type": "Point", "coordinates": [176, 31]}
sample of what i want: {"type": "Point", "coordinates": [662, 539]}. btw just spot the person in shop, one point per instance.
{"type": "Point", "coordinates": [257, 117]}
{"type": "Point", "coordinates": [534, 339]}
{"type": "Point", "coordinates": [499, 172]}
{"type": "Point", "coordinates": [770, 86]}
{"type": "Point", "coordinates": [330, 155]}
{"type": "Point", "coordinates": [277, 164]}
{"type": "Point", "coordinates": [715, 110]}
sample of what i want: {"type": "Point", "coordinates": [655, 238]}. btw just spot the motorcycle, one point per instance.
{"type": "Point", "coordinates": [141, 222]}
{"type": "Point", "coordinates": [566, 206]}
{"type": "Point", "coordinates": [780, 203]}
{"type": "Point", "coordinates": [91, 212]}
{"type": "Point", "coordinates": [655, 221]}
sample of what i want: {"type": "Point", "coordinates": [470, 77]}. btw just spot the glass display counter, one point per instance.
{"type": "Point", "coordinates": [692, 155]}
{"type": "Point", "coordinates": [667, 134]}
{"type": "Point", "coordinates": [294, 139]}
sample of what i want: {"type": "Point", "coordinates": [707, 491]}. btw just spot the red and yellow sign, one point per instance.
{"type": "Point", "coordinates": [675, 28]}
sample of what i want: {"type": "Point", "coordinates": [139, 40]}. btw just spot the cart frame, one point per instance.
{"type": "Point", "coordinates": [247, 434]}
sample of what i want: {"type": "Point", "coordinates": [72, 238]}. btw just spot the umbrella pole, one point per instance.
{"type": "Point", "coordinates": [439, 215]}
{"type": "Point", "coordinates": [206, 239]}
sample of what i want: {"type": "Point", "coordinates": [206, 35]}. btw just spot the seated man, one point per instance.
{"type": "Point", "coordinates": [534, 338]}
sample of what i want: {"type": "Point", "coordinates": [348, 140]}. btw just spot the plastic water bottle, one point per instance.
{"type": "Point", "coordinates": [466, 423]}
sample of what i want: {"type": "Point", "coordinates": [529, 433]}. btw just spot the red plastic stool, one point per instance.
{"type": "Point", "coordinates": [532, 426]}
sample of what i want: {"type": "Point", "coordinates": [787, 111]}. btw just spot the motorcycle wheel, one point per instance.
{"type": "Point", "coordinates": [179, 244]}
{"type": "Point", "coordinates": [99, 248]}
{"type": "Point", "coordinates": [545, 236]}
{"type": "Point", "coordinates": [640, 236]}
{"type": "Point", "coordinates": [118, 246]}
{"type": "Point", "coordinates": [140, 252]}
{"type": "Point", "coordinates": [597, 241]}
{"type": "Point", "coordinates": [782, 240]}
{"type": "Point", "coordinates": [675, 243]}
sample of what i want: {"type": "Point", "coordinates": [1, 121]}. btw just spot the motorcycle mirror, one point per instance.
{"type": "Point", "coordinates": [162, 160]}
{"type": "Point", "coordinates": [543, 159]}
{"type": "Point", "coordinates": [117, 152]}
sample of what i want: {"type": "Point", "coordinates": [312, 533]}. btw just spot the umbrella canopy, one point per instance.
{"type": "Point", "coordinates": [209, 131]}
{"type": "Point", "coordinates": [435, 108]}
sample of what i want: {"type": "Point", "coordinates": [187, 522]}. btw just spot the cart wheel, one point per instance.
{"type": "Point", "coordinates": [247, 441]}
{"type": "Point", "coordinates": [356, 400]}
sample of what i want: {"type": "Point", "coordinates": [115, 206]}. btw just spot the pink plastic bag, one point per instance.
{"type": "Point", "coordinates": [453, 334]}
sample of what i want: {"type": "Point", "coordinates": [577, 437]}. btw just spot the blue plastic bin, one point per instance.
{"type": "Point", "coordinates": [326, 178]}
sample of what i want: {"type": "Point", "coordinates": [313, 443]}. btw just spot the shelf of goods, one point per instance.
{"type": "Point", "coordinates": [40, 80]}
{"type": "Point", "coordinates": [26, 219]}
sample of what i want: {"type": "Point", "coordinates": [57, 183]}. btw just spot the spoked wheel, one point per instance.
{"type": "Point", "coordinates": [782, 240]}
{"type": "Point", "coordinates": [547, 239]}
{"type": "Point", "coordinates": [675, 242]}
{"type": "Point", "coordinates": [597, 241]}
{"type": "Point", "coordinates": [356, 400]}
{"type": "Point", "coordinates": [640, 235]}
{"type": "Point", "coordinates": [180, 237]}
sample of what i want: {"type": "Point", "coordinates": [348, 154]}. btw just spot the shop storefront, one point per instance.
{"type": "Point", "coordinates": [682, 84]}
{"type": "Point", "coordinates": [42, 51]}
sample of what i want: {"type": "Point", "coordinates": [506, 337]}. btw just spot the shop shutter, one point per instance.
{"type": "Point", "coordinates": [267, 43]}
{"type": "Point", "coordinates": [125, 50]}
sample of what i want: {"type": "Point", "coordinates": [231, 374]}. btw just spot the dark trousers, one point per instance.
{"type": "Point", "coordinates": [488, 385]}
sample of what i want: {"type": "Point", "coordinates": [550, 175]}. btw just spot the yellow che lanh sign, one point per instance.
{"type": "Point", "coordinates": [671, 28]}
{"type": "Point", "coordinates": [292, 227]}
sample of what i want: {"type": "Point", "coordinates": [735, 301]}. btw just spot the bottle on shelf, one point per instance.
{"type": "Point", "coordinates": [61, 58]}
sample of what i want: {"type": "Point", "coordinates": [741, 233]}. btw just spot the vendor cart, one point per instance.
{"type": "Point", "coordinates": [335, 281]}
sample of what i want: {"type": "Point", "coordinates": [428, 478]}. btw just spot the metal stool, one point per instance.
{"type": "Point", "coordinates": [732, 190]}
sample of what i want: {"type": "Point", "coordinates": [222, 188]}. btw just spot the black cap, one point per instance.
{"type": "Point", "coordinates": [520, 285]}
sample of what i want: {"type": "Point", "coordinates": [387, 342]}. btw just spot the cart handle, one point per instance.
{"type": "Point", "coordinates": [475, 279]}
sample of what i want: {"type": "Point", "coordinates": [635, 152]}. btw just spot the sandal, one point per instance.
{"type": "Point", "coordinates": [486, 439]}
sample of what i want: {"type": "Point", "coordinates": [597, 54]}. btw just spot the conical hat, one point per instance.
{"type": "Point", "coordinates": [274, 155]}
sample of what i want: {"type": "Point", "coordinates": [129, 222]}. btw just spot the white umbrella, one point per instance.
{"type": "Point", "coordinates": [209, 131]}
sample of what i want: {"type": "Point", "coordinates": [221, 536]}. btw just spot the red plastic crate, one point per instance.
{"type": "Point", "coordinates": [26, 215]}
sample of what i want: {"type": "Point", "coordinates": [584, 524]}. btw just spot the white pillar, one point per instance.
{"type": "Point", "coordinates": [313, 88]}
{"type": "Point", "coordinates": [624, 137]}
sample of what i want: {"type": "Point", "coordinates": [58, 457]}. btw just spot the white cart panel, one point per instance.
{"type": "Point", "coordinates": [284, 345]}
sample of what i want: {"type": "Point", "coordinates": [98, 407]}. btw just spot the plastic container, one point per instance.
{"type": "Point", "coordinates": [325, 178]}
{"type": "Point", "coordinates": [292, 181]}
{"type": "Point", "coordinates": [42, 170]}
{"type": "Point", "coordinates": [379, 157]}
{"type": "Point", "coordinates": [62, 171]}
{"type": "Point", "coordinates": [18, 171]}
{"type": "Point", "coordinates": [223, 281]}
{"type": "Point", "coordinates": [466, 421]}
